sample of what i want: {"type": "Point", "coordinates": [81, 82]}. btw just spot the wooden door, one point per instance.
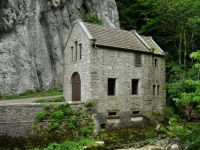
{"type": "Point", "coordinates": [76, 87]}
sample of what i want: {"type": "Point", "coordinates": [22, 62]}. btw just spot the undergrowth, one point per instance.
{"type": "Point", "coordinates": [64, 121]}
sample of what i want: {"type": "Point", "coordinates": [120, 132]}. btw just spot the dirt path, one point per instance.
{"type": "Point", "coordinates": [26, 100]}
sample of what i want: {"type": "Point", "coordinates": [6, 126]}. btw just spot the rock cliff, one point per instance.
{"type": "Point", "coordinates": [32, 38]}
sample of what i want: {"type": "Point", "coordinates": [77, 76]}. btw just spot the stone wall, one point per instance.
{"type": "Point", "coordinates": [111, 63]}
{"type": "Point", "coordinates": [82, 66]}
{"type": "Point", "coordinates": [16, 120]}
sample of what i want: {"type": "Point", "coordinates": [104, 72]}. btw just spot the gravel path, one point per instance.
{"type": "Point", "coordinates": [26, 100]}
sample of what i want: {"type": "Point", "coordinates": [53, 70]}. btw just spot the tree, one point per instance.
{"type": "Point", "coordinates": [187, 93]}
{"type": "Point", "coordinates": [196, 56]}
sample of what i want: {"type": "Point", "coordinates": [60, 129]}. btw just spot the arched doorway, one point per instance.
{"type": "Point", "coordinates": [76, 87]}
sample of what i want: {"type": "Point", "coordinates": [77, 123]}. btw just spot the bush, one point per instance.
{"type": "Point", "coordinates": [93, 20]}
{"type": "Point", "coordinates": [41, 116]}
{"type": "Point", "coordinates": [89, 103]}
{"type": "Point", "coordinates": [188, 133]}
{"type": "Point", "coordinates": [171, 113]}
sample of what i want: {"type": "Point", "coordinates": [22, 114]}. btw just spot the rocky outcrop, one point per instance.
{"type": "Point", "coordinates": [32, 38]}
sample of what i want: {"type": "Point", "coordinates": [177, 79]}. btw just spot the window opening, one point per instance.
{"type": "Point", "coordinates": [154, 89]}
{"type": "Point", "coordinates": [76, 45]}
{"type": "Point", "coordinates": [72, 52]}
{"type": "Point", "coordinates": [80, 51]}
{"type": "Point", "coordinates": [158, 89]}
{"type": "Point", "coordinates": [155, 62]}
{"type": "Point", "coordinates": [135, 112]}
{"type": "Point", "coordinates": [135, 86]}
{"type": "Point", "coordinates": [111, 86]}
{"type": "Point", "coordinates": [138, 60]}
{"type": "Point", "coordinates": [113, 113]}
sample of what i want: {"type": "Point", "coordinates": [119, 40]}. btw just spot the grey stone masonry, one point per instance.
{"type": "Point", "coordinates": [100, 62]}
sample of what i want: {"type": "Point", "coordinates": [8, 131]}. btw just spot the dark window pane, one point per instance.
{"type": "Point", "coordinates": [155, 62]}
{"type": "Point", "coordinates": [76, 45]}
{"type": "Point", "coordinates": [111, 86]}
{"type": "Point", "coordinates": [135, 86]}
{"type": "Point", "coordinates": [158, 89]}
{"type": "Point", "coordinates": [154, 89]}
{"type": "Point", "coordinates": [72, 51]}
{"type": "Point", "coordinates": [80, 49]}
{"type": "Point", "coordinates": [114, 113]}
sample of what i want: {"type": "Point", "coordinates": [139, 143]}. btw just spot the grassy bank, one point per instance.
{"type": "Point", "coordinates": [33, 94]}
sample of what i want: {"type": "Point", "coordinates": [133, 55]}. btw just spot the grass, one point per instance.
{"type": "Point", "coordinates": [33, 94]}
{"type": "Point", "coordinates": [58, 99]}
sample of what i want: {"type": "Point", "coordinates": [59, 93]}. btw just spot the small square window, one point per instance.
{"type": "Point", "coordinates": [138, 60]}
{"type": "Point", "coordinates": [135, 86]}
{"type": "Point", "coordinates": [111, 86]}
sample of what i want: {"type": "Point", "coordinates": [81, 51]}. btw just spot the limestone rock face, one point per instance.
{"type": "Point", "coordinates": [33, 34]}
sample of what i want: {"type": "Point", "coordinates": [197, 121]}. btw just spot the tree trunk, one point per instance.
{"type": "Point", "coordinates": [179, 50]}
{"type": "Point", "coordinates": [185, 50]}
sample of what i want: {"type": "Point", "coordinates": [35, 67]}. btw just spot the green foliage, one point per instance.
{"type": "Point", "coordinates": [72, 122]}
{"type": "Point", "coordinates": [53, 125]}
{"type": "Point", "coordinates": [89, 103]}
{"type": "Point", "coordinates": [171, 113]}
{"type": "Point", "coordinates": [86, 131]}
{"type": "Point", "coordinates": [127, 137]}
{"type": "Point", "coordinates": [191, 95]}
{"type": "Point", "coordinates": [175, 72]}
{"type": "Point", "coordinates": [62, 119]}
{"type": "Point", "coordinates": [93, 20]}
{"type": "Point", "coordinates": [150, 141]}
{"type": "Point", "coordinates": [188, 133]}
{"type": "Point", "coordinates": [41, 116]}
{"type": "Point", "coordinates": [35, 93]}
{"type": "Point", "coordinates": [57, 115]}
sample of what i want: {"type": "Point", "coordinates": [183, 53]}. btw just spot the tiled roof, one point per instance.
{"type": "Point", "coordinates": [115, 37]}
{"type": "Point", "coordinates": [152, 44]}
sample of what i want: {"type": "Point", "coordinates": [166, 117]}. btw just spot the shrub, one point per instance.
{"type": "Point", "coordinates": [41, 116]}
{"type": "Point", "coordinates": [93, 20]}
{"type": "Point", "coordinates": [89, 103]}
{"type": "Point", "coordinates": [72, 122]}
{"type": "Point", "coordinates": [171, 113]}
{"type": "Point", "coordinates": [85, 131]}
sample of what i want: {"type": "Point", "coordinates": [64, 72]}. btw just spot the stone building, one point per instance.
{"type": "Point", "coordinates": [121, 71]}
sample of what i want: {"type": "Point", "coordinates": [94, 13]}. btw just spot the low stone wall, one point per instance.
{"type": "Point", "coordinates": [16, 119]}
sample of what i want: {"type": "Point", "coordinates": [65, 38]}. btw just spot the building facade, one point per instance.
{"type": "Point", "coordinates": [121, 71]}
